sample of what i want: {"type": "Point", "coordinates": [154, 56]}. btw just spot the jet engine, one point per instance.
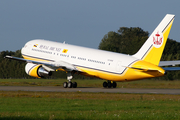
{"type": "Point", "coordinates": [35, 70]}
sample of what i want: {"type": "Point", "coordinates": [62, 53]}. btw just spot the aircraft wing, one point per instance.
{"type": "Point", "coordinates": [169, 63]}
{"type": "Point", "coordinates": [51, 65]}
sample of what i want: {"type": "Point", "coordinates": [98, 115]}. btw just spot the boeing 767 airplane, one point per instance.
{"type": "Point", "coordinates": [43, 57]}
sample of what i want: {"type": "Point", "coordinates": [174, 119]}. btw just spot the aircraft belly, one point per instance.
{"type": "Point", "coordinates": [127, 74]}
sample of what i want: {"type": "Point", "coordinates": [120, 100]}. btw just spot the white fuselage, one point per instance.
{"type": "Point", "coordinates": [78, 56]}
{"type": "Point", "coordinates": [92, 62]}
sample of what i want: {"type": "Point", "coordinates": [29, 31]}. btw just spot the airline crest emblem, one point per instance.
{"type": "Point", "coordinates": [65, 50]}
{"type": "Point", "coordinates": [35, 45]}
{"type": "Point", "coordinates": [158, 40]}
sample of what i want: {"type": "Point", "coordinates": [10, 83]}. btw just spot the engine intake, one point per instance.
{"type": "Point", "coordinates": [35, 70]}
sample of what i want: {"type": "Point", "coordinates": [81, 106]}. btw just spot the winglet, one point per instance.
{"type": "Point", "coordinates": [153, 48]}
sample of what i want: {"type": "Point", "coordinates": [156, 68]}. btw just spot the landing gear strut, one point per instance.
{"type": "Point", "coordinates": [69, 84]}
{"type": "Point", "coordinates": [109, 84]}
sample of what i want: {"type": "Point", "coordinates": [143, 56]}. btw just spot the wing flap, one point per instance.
{"type": "Point", "coordinates": [15, 58]}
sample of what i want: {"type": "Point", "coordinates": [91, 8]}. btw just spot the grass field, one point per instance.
{"type": "Point", "coordinates": [15, 105]}
{"type": "Point", "coordinates": [92, 83]}
{"type": "Point", "coordinates": [80, 106]}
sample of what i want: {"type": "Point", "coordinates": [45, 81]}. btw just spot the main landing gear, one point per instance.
{"type": "Point", "coordinates": [69, 84]}
{"type": "Point", "coordinates": [109, 84]}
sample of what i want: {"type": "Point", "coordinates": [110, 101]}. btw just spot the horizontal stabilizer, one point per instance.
{"type": "Point", "coordinates": [167, 63]}
{"type": "Point", "coordinates": [171, 68]}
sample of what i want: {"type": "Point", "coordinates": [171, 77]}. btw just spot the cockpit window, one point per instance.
{"type": "Point", "coordinates": [25, 46]}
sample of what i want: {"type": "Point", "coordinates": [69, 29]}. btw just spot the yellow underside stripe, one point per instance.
{"type": "Point", "coordinates": [34, 59]}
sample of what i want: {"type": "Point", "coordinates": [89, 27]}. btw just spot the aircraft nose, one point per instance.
{"type": "Point", "coordinates": [24, 49]}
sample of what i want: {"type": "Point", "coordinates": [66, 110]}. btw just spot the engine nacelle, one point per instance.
{"type": "Point", "coordinates": [35, 70]}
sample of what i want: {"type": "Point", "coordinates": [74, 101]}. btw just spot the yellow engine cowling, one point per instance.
{"type": "Point", "coordinates": [37, 71]}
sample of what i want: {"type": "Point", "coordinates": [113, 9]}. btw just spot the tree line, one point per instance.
{"type": "Point", "coordinates": [125, 40]}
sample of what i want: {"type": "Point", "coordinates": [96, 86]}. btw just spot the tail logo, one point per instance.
{"type": "Point", "coordinates": [158, 40]}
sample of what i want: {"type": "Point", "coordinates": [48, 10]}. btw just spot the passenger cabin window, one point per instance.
{"type": "Point", "coordinates": [73, 57]}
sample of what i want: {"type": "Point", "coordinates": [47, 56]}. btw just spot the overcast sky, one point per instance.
{"type": "Point", "coordinates": [79, 22]}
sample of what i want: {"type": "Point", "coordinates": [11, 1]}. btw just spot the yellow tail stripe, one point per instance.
{"type": "Point", "coordinates": [154, 54]}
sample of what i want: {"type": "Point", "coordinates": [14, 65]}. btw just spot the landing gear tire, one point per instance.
{"type": "Point", "coordinates": [109, 84]}
{"type": "Point", "coordinates": [65, 84]}
{"type": "Point", "coordinates": [74, 84]}
{"type": "Point", "coordinates": [69, 84]}
{"type": "Point", "coordinates": [114, 84]}
{"type": "Point", "coordinates": [105, 84]}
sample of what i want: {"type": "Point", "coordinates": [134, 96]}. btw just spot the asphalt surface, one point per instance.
{"type": "Point", "coordinates": [93, 90]}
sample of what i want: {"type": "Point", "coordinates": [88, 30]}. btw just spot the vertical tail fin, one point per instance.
{"type": "Point", "coordinates": [153, 48]}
